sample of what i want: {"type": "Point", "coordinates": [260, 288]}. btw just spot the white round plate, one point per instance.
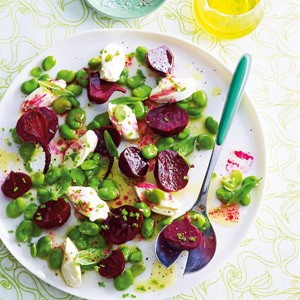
{"type": "Point", "coordinates": [245, 135]}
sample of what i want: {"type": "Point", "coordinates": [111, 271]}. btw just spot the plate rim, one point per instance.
{"type": "Point", "coordinates": [181, 41]}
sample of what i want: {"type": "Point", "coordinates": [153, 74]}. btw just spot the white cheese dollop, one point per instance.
{"type": "Point", "coordinates": [70, 271]}
{"type": "Point", "coordinates": [78, 151]}
{"type": "Point", "coordinates": [129, 126]}
{"type": "Point", "coordinates": [167, 207]}
{"type": "Point", "coordinates": [41, 97]}
{"type": "Point", "coordinates": [171, 89]}
{"type": "Point", "coordinates": [113, 62]}
{"type": "Point", "coordinates": [88, 203]}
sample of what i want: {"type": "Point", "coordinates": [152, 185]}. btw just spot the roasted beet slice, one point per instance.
{"type": "Point", "coordinates": [171, 171]}
{"type": "Point", "coordinates": [100, 90]}
{"type": "Point", "coordinates": [160, 60]}
{"type": "Point", "coordinates": [132, 163]}
{"type": "Point", "coordinates": [167, 120]}
{"type": "Point", "coordinates": [113, 265]}
{"type": "Point", "coordinates": [122, 225]}
{"type": "Point", "coordinates": [38, 126]}
{"type": "Point", "coordinates": [115, 135]}
{"type": "Point", "coordinates": [16, 184]}
{"type": "Point", "coordinates": [53, 213]}
{"type": "Point", "coordinates": [182, 235]}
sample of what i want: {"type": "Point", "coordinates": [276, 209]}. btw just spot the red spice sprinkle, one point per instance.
{"type": "Point", "coordinates": [227, 213]}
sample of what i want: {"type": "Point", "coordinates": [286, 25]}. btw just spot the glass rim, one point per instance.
{"type": "Point", "coordinates": [259, 3]}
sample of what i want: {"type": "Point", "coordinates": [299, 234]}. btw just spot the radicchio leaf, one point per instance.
{"type": "Point", "coordinates": [100, 90]}
{"type": "Point", "coordinates": [38, 126]}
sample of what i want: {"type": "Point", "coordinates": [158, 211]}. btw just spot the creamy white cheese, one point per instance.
{"type": "Point", "coordinates": [88, 203]}
{"type": "Point", "coordinates": [70, 271]}
{"type": "Point", "coordinates": [79, 150]}
{"type": "Point", "coordinates": [171, 89]}
{"type": "Point", "coordinates": [113, 62]}
{"type": "Point", "coordinates": [129, 126]}
{"type": "Point", "coordinates": [41, 97]}
{"type": "Point", "coordinates": [167, 207]}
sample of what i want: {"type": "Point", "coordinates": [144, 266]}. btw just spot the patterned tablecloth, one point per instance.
{"type": "Point", "coordinates": [266, 264]}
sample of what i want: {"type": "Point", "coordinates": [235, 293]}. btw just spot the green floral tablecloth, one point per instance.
{"type": "Point", "coordinates": [267, 263]}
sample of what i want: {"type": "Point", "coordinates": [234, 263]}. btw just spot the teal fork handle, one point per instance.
{"type": "Point", "coordinates": [234, 96]}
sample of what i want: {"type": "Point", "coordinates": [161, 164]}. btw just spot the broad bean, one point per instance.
{"type": "Point", "coordinates": [211, 125]}
{"type": "Point", "coordinates": [142, 91]}
{"type": "Point", "coordinates": [61, 105]}
{"type": "Point", "coordinates": [67, 75]}
{"type": "Point", "coordinates": [185, 133]}
{"type": "Point", "coordinates": [147, 229]}
{"type": "Point", "coordinates": [103, 119]}
{"type": "Point", "coordinates": [36, 72]}
{"type": "Point", "coordinates": [26, 151]}
{"type": "Point", "coordinates": [75, 89]}
{"type": "Point", "coordinates": [135, 256]}
{"type": "Point", "coordinates": [154, 195]}
{"type": "Point", "coordinates": [126, 250]}
{"type": "Point", "coordinates": [205, 142]}
{"type": "Point", "coordinates": [144, 208]}
{"type": "Point", "coordinates": [55, 258]}
{"type": "Point", "coordinates": [27, 87]}
{"type": "Point", "coordinates": [15, 208]}
{"type": "Point", "coordinates": [137, 269]}
{"type": "Point", "coordinates": [89, 228]}
{"type": "Point", "coordinates": [199, 98]}
{"type": "Point", "coordinates": [149, 151]}
{"type": "Point", "coordinates": [108, 193]}
{"type": "Point", "coordinates": [123, 281]}
{"type": "Point", "coordinates": [82, 77]}
{"type": "Point", "coordinates": [135, 81]}
{"type": "Point", "coordinates": [37, 179]}
{"type": "Point", "coordinates": [76, 118]}
{"type": "Point", "coordinates": [30, 210]}
{"type": "Point", "coordinates": [53, 175]}
{"type": "Point", "coordinates": [66, 132]}
{"type": "Point", "coordinates": [165, 144]}
{"type": "Point", "coordinates": [48, 63]}
{"type": "Point", "coordinates": [141, 53]}
{"type": "Point", "coordinates": [43, 246]}
{"type": "Point", "coordinates": [24, 231]}
{"type": "Point", "coordinates": [94, 63]}
{"type": "Point", "coordinates": [123, 77]}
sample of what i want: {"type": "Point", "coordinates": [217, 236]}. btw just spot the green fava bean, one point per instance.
{"type": "Point", "coordinates": [185, 133]}
{"type": "Point", "coordinates": [144, 208]}
{"type": "Point", "coordinates": [24, 231]}
{"type": "Point", "coordinates": [137, 269]}
{"type": "Point", "coordinates": [136, 255]}
{"type": "Point", "coordinates": [75, 89]}
{"type": "Point", "coordinates": [96, 242]}
{"type": "Point", "coordinates": [26, 151]}
{"type": "Point", "coordinates": [88, 164]}
{"type": "Point", "coordinates": [141, 53]}
{"type": "Point", "coordinates": [147, 228]}
{"type": "Point", "coordinates": [66, 132]}
{"type": "Point", "coordinates": [237, 176]}
{"type": "Point", "coordinates": [37, 179]}
{"type": "Point", "coordinates": [135, 81]}
{"type": "Point", "coordinates": [123, 77]}
{"type": "Point", "coordinates": [108, 183]}
{"type": "Point", "coordinates": [15, 208]}
{"type": "Point", "coordinates": [205, 142]}
{"type": "Point", "coordinates": [45, 77]}
{"type": "Point", "coordinates": [94, 183]}
{"type": "Point", "coordinates": [120, 112]}
{"type": "Point", "coordinates": [149, 151]}
{"type": "Point", "coordinates": [126, 250]}
{"type": "Point", "coordinates": [108, 193]}
{"type": "Point", "coordinates": [142, 91]}
{"type": "Point", "coordinates": [74, 102]}
{"type": "Point", "coordinates": [61, 105]}
{"type": "Point", "coordinates": [43, 195]}
{"type": "Point", "coordinates": [77, 176]}
{"type": "Point", "coordinates": [67, 75]}
{"type": "Point", "coordinates": [15, 136]}
{"type": "Point", "coordinates": [103, 119]}
{"type": "Point", "coordinates": [29, 86]}
{"type": "Point", "coordinates": [123, 281]}
{"type": "Point", "coordinates": [194, 112]}
{"type": "Point", "coordinates": [139, 110]}
{"type": "Point", "coordinates": [93, 125]}
{"type": "Point", "coordinates": [33, 251]}
{"type": "Point", "coordinates": [82, 77]}
{"type": "Point", "coordinates": [199, 98]}
{"type": "Point", "coordinates": [223, 194]}
{"type": "Point", "coordinates": [89, 228]}
{"type": "Point", "coordinates": [198, 220]}
{"type": "Point", "coordinates": [154, 196]}
{"type": "Point", "coordinates": [94, 63]}
{"type": "Point", "coordinates": [164, 222]}
{"type": "Point", "coordinates": [249, 179]}
{"type": "Point", "coordinates": [74, 234]}
{"type": "Point", "coordinates": [211, 125]}
{"type": "Point", "coordinates": [76, 118]}
{"type": "Point", "coordinates": [30, 210]}
{"type": "Point", "coordinates": [81, 243]}
{"type": "Point", "coordinates": [184, 104]}
{"type": "Point", "coordinates": [55, 258]}
{"type": "Point", "coordinates": [44, 246]}
{"type": "Point", "coordinates": [37, 231]}
{"type": "Point", "coordinates": [48, 63]}
{"type": "Point", "coordinates": [165, 144]}
{"type": "Point", "coordinates": [244, 199]}
{"type": "Point", "coordinates": [53, 175]}
{"type": "Point", "coordinates": [36, 72]}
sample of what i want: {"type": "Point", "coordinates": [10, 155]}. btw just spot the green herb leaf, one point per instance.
{"type": "Point", "coordinates": [62, 185]}
{"type": "Point", "coordinates": [55, 89]}
{"type": "Point", "coordinates": [90, 256]}
{"type": "Point", "coordinates": [127, 100]}
{"type": "Point", "coordinates": [110, 145]}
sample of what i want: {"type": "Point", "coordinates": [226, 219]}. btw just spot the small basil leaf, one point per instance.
{"type": "Point", "coordinates": [110, 145]}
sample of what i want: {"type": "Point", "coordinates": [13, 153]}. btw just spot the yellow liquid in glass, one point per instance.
{"type": "Point", "coordinates": [228, 18]}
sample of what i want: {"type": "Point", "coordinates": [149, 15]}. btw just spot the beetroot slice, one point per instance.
{"type": "Point", "coordinates": [38, 126]}
{"type": "Point", "coordinates": [100, 90]}
{"type": "Point", "coordinates": [171, 171]}
{"type": "Point", "coordinates": [167, 120]}
{"type": "Point", "coordinates": [160, 60]}
{"type": "Point", "coordinates": [53, 213]}
{"type": "Point", "coordinates": [122, 225]}
{"type": "Point", "coordinates": [182, 235]}
{"type": "Point", "coordinates": [16, 184]}
{"type": "Point", "coordinates": [115, 135]}
{"type": "Point", "coordinates": [132, 163]}
{"type": "Point", "coordinates": [113, 265]}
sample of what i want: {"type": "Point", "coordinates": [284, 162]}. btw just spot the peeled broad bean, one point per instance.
{"type": "Point", "coordinates": [37, 179]}
{"type": "Point", "coordinates": [76, 118]}
{"type": "Point", "coordinates": [149, 151]}
{"type": "Point", "coordinates": [30, 210]}
{"type": "Point", "coordinates": [53, 175]}
{"type": "Point", "coordinates": [205, 142]}
{"type": "Point", "coordinates": [15, 208]}
{"type": "Point", "coordinates": [27, 87]}
{"type": "Point", "coordinates": [36, 72]}
{"type": "Point", "coordinates": [94, 63]}
{"type": "Point", "coordinates": [211, 125]}
{"type": "Point", "coordinates": [123, 77]}
{"type": "Point", "coordinates": [75, 89]}
{"type": "Point", "coordinates": [142, 91]}
{"type": "Point", "coordinates": [89, 228]}
{"type": "Point", "coordinates": [144, 208]}
{"type": "Point", "coordinates": [185, 133]}
{"type": "Point", "coordinates": [141, 53]}
{"type": "Point", "coordinates": [124, 281]}
{"type": "Point", "coordinates": [55, 258]}
{"type": "Point", "coordinates": [165, 144]}
{"type": "Point", "coordinates": [136, 255]}
{"type": "Point", "coordinates": [43, 246]}
{"type": "Point", "coordinates": [103, 119]}
{"type": "Point", "coordinates": [24, 231]}
{"type": "Point", "coordinates": [108, 193]}
{"type": "Point", "coordinates": [135, 81]}
{"type": "Point", "coordinates": [67, 75]}
{"type": "Point", "coordinates": [137, 269]}
{"type": "Point", "coordinates": [82, 77]}
{"type": "Point", "coordinates": [163, 223]}
{"type": "Point", "coordinates": [126, 250]}
{"type": "Point", "coordinates": [48, 63]}
{"type": "Point", "coordinates": [66, 132]}
{"type": "Point", "coordinates": [61, 105]}
{"type": "Point", "coordinates": [199, 98]}
{"type": "Point", "coordinates": [147, 229]}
